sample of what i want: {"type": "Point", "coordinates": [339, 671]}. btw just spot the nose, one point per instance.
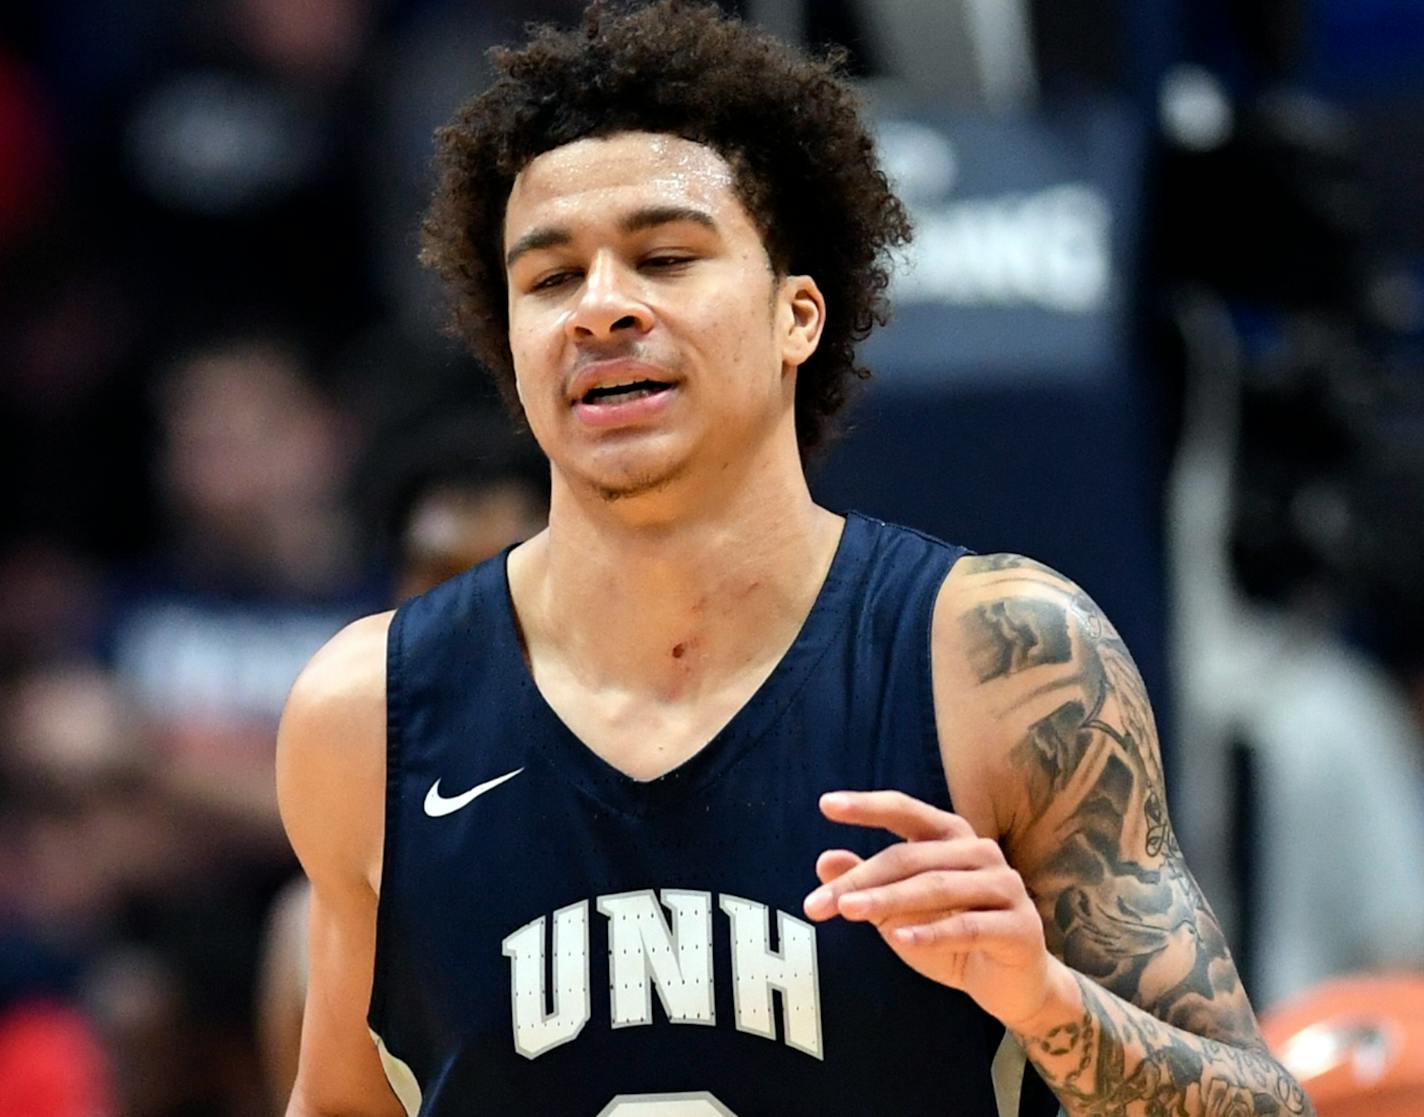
{"type": "Point", "coordinates": [609, 304]}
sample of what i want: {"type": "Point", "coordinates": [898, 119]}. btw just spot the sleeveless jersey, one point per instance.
{"type": "Point", "coordinates": [557, 938]}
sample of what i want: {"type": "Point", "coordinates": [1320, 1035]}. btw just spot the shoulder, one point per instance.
{"type": "Point", "coordinates": [343, 684]}
{"type": "Point", "coordinates": [1000, 615]}
{"type": "Point", "coordinates": [331, 748]}
{"type": "Point", "coordinates": [1020, 650]}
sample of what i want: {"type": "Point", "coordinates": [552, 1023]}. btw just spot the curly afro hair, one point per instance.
{"type": "Point", "coordinates": [788, 125]}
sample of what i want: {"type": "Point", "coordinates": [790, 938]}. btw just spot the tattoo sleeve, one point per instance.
{"type": "Point", "coordinates": [1117, 1060]}
{"type": "Point", "coordinates": [1166, 1027]}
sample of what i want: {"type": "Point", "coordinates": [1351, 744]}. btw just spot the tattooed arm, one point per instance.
{"type": "Point", "coordinates": [1149, 1016]}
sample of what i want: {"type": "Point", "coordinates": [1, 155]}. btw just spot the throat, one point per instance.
{"type": "Point", "coordinates": [646, 734]}
{"type": "Point", "coordinates": [664, 617]}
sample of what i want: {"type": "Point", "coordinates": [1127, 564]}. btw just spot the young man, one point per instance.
{"type": "Point", "coordinates": [614, 762]}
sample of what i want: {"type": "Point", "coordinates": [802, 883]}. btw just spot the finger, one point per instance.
{"type": "Point", "coordinates": [961, 931]}
{"type": "Point", "coordinates": [975, 890]}
{"type": "Point", "coordinates": [903, 816]}
{"type": "Point", "coordinates": [899, 861]}
{"type": "Point", "coordinates": [834, 863]}
{"type": "Point", "coordinates": [906, 859]}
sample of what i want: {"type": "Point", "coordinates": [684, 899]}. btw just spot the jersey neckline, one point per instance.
{"type": "Point", "coordinates": [615, 789]}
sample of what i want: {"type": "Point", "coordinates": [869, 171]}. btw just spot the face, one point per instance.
{"type": "Point", "coordinates": [652, 341]}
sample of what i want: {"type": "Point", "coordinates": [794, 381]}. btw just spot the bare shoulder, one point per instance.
{"type": "Point", "coordinates": [1036, 673]}
{"type": "Point", "coordinates": [1051, 722]}
{"type": "Point", "coordinates": [331, 752]}
{"type": "Point", "coordinates": [1010, 635]}
{"type": "Point", "coordinates": [351, 666]}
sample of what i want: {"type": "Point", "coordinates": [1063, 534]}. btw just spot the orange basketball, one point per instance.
{"type": "Point", "coordinates": [1356, 1044]}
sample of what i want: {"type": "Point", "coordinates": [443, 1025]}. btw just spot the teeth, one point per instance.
{"type": "Point", "coordinates": [623, 391]}
{"type": "Point", "coordinates": [625, 395]}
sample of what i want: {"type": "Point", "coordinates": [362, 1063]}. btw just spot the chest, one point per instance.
{"type": "Point", "coordinates": [648, 729]}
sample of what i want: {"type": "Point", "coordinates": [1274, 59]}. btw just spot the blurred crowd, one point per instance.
{"type": "Point", "coordinates": [231, 425]}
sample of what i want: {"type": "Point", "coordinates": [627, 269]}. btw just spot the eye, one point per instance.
{"type": "Point", "coordinates": [664, 261]}
{"type": "Point", "coordinates": [553, 281]}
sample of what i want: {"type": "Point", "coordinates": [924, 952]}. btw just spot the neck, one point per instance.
{"type": "Point", "coordinates": [670, 603]}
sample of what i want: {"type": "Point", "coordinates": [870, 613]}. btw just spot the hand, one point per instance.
{"type": "Point", "coordinates": [944, 899]}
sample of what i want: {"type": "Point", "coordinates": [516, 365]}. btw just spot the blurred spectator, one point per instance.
{"type": "Point", "coordinates": [257, 573]}
{"type": "Point", "coordinates": [113, 896]}
{"type": "Point", "coordinates": [160, 1051]}
{"type": "Point", "coordinates": [95, 833]}
{"type": "Point", "coordinates": [1302, 789]}
{"type": "Point", "coordinates": [449, 490]}
{"type": "Point", "coordinates": [75, 838]}
{"type": "Point", "coordinates": [231, 158]}
{"type": "Point", "coordinates": [50, 603]}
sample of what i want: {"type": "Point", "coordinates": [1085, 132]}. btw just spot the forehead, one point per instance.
{"type": "Point", "coordinates": [600, 177]}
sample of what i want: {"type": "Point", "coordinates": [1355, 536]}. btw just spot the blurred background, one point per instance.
{"type": "Point", "coordinates": [1162, 327]}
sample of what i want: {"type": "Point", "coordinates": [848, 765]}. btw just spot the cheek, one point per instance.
{"type": "Point", "coordinates": [753, 349]}
{"type": "Point", "coordinates": [534, 349]}
{"type": "Point", "coordinates": [536, 322]}
{"type": "Point", "coordinates": [521, 339]}
{"type": "Point", "coordinates": [745, 301]}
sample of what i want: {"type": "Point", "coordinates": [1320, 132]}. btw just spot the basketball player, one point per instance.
{"type": "Point", "coordinates": [565, 815]}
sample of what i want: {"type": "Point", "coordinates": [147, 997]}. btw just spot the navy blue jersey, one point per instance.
{"type": "Point", "coordinates": [557, 938]}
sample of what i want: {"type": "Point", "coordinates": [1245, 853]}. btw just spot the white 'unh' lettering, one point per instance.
{"type": "Point", "coordinates": [679, 963]}
{"type": "Point", "coordinates": [535, 1030]}
{"type": "Point", "coordinates": [757, 970]}
{"type": "Point", "coordinates": [645, 953]}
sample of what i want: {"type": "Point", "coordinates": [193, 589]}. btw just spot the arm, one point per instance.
{"type": "Point", "coordinates": [1150, 1010]}
{"type": "Point", "coordinates": [331, 787]}
{"type": "Point", "coordinates": [1080, 927]}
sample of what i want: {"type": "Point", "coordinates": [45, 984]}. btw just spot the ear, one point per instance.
{"type": "Point", "coordinates": [801, 317]}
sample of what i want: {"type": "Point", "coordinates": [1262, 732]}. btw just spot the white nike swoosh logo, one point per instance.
{"type": "Point", "coordinates": [437, 805]}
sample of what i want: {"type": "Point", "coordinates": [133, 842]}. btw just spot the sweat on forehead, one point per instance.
{"type": "Point", "coordinates": [666, 164]}
{"type": "Point", "coordinates": [633, 180]}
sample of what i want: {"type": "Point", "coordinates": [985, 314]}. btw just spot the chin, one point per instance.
{"type": "Point", "coordinates": [634, 483]}
{"type": "Point", "coordinates": [624, 476]}
{"type": "Point", "coordinates": [631, 489]}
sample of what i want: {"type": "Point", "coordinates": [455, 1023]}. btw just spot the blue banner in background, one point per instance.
{"type": "Point", "coordinates": [1024, 260]}
{"type": "Point", "coordinates": [1007, 410]}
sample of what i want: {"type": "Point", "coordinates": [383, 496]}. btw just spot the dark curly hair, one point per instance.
{"type": "Point", "coordinates": [787, 124]}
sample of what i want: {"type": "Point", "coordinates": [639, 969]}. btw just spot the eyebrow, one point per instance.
{"type": "Point", "coordinates": [648, 217]}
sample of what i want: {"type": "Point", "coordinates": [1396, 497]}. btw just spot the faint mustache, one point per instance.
{"type": "Point", "coordinates": [624, 351]}
{"type": "Point", "coordinates": [592, 352]}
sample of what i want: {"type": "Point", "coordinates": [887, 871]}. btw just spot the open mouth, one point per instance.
{"type": "Point", "coordinates": [608, 394]}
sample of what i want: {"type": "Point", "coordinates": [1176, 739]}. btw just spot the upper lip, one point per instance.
{"type": "Point", "coordinates": [611, 371]}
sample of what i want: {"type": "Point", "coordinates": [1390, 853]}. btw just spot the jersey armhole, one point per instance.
{"type": "Point", "coordinates": [395, 722]}
{"type": "Point", "coordinates": [938, 775]}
